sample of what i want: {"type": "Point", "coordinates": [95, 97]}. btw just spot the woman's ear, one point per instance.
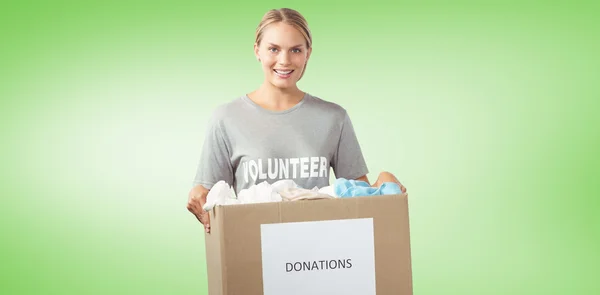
{"type": "Point", "coordinates": [256, 52]}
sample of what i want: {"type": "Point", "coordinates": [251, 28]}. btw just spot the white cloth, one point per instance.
{"type": "Point", "coordinates": [220, 194]}
{"type": "Point", "coordinates": [259, 193]}
{"type": "Point", "coordinates": [283, 190]}
{"type": "Point", "coordinates": [290, 191]}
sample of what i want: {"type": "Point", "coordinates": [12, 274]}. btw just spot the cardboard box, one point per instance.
{"type": "Point", "coordinates": [347, 246]}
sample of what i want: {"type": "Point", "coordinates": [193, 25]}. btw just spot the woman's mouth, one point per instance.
{"type": "Point", "coordinates": [283, 73]}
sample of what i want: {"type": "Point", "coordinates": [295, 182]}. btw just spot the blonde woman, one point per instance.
{"type": "Point", "coordinates": [278, 131]}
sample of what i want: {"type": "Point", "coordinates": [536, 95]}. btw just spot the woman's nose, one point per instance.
{"type": "Point", "coordinates": [284, 58]}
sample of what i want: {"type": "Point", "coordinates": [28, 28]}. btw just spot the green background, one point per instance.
{"type": "Point", "coordinates": [488, 113]}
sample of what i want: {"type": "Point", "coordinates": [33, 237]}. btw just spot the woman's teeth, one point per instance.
{"type": "Point", "coordinates": [284, 72]}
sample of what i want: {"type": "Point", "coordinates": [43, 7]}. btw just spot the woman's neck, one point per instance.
{"type": "Point", "coordinates": [276, 99]}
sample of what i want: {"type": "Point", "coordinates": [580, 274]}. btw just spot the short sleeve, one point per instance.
{"type": "Point", "coordinates": [215, 164]}
{"type": "Point", "coordinates": [348, 161]}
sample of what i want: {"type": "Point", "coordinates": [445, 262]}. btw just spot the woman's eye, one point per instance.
{"type": "Point", "coordinates": [296, 50]}
{"type": "Point", "coordinates": [273, 49]}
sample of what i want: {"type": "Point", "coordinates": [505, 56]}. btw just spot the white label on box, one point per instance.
{"type": "Point", "coordinates": [319, 257]}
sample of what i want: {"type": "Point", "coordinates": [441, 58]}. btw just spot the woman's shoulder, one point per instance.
{"type": "Point", "coordinates": [226, 109]}
{"type": "Point", "coordinates": [327, 106]}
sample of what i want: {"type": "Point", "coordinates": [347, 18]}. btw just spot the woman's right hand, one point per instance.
{"type": "Point", "coordinates": [196, 200]}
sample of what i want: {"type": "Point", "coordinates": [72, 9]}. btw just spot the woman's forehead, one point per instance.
{"type": "Point", "coordinates": [281, 34]}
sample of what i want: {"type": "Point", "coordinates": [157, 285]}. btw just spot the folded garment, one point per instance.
{"type": "Point", "coordinates": [296, 194]}
{"type": "Point", "coordinates": [283, 184]}
{"type": "Point", "coordinates": [220, 194]}
{"type": "Point", "coordinates": [327, 190]}
{"type": "Point", "coordinates": [344, 188]}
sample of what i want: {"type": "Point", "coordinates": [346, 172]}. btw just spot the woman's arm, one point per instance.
{"type": "Point", "coordinates": [383, 177]}
{"type": "Point", "coordinates": [364, 178]}
{"type": "Point", "coordinates": [196, 200]}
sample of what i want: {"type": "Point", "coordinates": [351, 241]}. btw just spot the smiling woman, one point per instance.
{"type": "Point", "coordinates": [283, 46]}
{"type": "Point", "coordinates": [278, 131]}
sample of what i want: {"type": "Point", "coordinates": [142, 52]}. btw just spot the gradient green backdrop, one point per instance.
{"type": "Point", "coordinates": [488, 113]}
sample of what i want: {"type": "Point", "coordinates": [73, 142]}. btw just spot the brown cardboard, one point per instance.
{"type": "Point", "coordinates": [233, 247]}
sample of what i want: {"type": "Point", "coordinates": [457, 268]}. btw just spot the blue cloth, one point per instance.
{"type": "Point", "coordinates": [345, 188]}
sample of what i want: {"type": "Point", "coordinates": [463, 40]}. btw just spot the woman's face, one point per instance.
{"type": "Point", "coordinates": [283, 54]}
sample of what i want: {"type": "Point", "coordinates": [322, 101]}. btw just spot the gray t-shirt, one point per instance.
{"type": "Point", "coordinates": [246, 144]}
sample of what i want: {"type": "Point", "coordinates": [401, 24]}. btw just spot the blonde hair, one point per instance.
{"type": "Point", "coordinates": [287, 16]}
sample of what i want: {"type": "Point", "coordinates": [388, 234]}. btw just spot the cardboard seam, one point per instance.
{"type": "Point", "coordinates": [356, 210]}
{"type": "Point", "coordinates": [221, 224]}
{"type": "Point", "coordinates": [409, 241]}
{"type": "Point", "coordinates": [279, 212]}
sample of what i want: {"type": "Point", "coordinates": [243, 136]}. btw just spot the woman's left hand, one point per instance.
{"type": "Point", "coordinates": [388, 177]}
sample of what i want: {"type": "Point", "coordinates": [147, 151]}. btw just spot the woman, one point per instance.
{"type": "Point", "coordinates": [278, 131]}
